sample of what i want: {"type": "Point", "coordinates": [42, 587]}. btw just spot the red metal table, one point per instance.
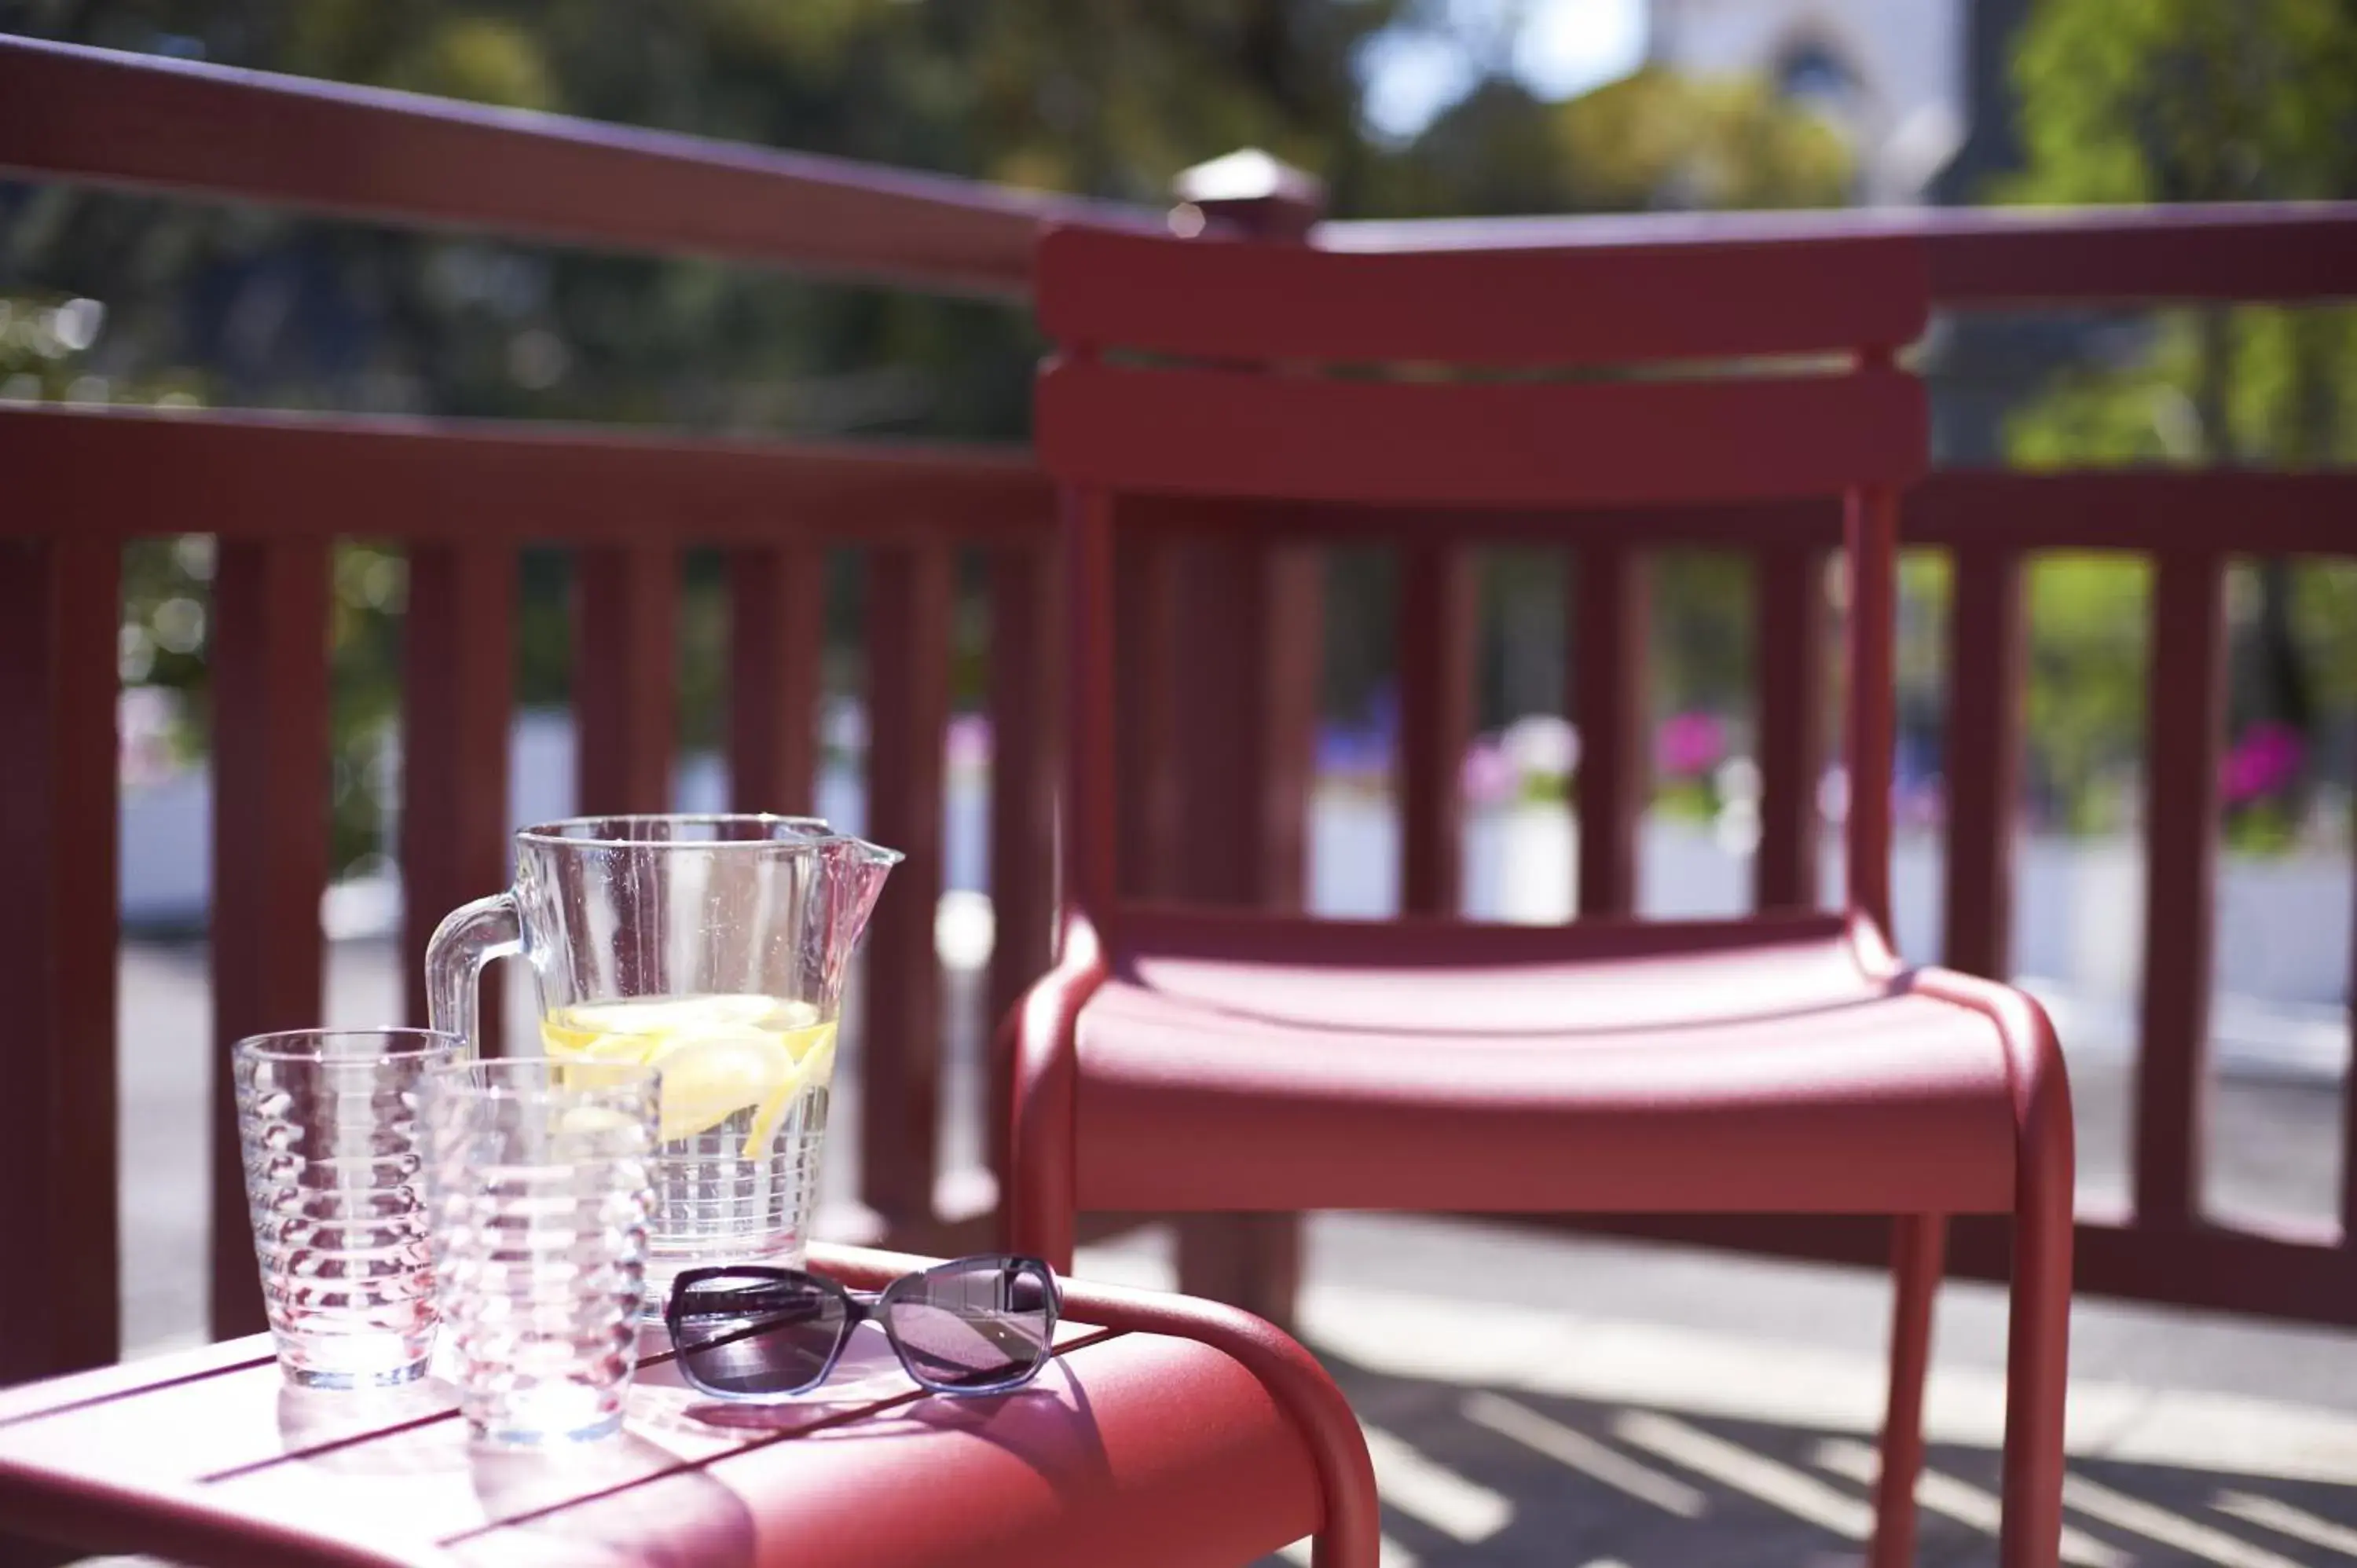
{"type": "Point", "coordinates": [1168, 1431]}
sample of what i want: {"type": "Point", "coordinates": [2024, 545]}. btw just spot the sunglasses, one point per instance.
{"type": "Point", "coordinates": [973, 1326]}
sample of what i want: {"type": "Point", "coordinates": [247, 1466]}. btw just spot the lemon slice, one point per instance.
{"type": "Point", "coordinates": [815, 1065]}
{"type": "Point", "coordinates": [634, 1050]}
{"type": "Point", "coordinates": [719, 1072]}
{"type": "Point", "coordinates": [589, 1121]}
{"type": "Point", "coordinates": [670, 1014]}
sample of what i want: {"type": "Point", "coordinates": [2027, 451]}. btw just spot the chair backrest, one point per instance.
{"type": "Point", "coordinates": [1559, 377]}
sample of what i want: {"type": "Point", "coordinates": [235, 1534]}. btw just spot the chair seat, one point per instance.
{"type": "Point", "coordinates": [1760, 1066]}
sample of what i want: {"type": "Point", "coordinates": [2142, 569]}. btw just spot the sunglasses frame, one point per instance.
{"type": "Point", "coordinates": [860, 1306]}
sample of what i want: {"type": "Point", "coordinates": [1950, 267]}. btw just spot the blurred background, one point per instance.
{"type": "Point", "coordinates": [1406, 108]}
{"type": "Point", "coordinates": [1401, 109]}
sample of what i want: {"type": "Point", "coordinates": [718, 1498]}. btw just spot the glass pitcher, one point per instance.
{"type": "Point", "coordinates": [713, 949]}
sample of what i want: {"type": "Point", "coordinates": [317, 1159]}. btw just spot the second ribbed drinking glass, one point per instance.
{"type": "Point", "coordinates": [538, 1186]}
{"type": "Point", "coordinates": [327, 1122]}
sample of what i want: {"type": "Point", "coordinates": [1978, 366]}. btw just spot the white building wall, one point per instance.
{"type": "Point", "coordinates": [1907, 116]}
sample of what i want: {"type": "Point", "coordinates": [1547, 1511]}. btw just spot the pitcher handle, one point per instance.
{"type": "Point", "coordinates": [468, 937]}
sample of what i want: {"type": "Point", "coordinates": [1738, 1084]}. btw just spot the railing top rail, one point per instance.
{"type": "Point", "coordinates": [123, 473]}
{"type": "Point", "coordinates": [1985, 257]}
{"type": "Point", "coordinates": [144, 123]}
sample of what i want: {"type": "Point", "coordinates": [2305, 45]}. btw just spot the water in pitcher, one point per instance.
{"type": "Point", "coordinates": [745, 1088]}
{"type": "Point", "coordinates": [715, 950]}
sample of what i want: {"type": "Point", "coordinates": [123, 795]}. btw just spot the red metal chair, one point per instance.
{"type": "Point", "coordinates": [1196, 1059]}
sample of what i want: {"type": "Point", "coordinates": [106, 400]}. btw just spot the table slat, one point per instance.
{"type": "Point", "coordinates": [391, 1476]}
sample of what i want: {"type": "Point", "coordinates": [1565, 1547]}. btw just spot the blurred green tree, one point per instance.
{"type": "Point", "coordinates": [1650, 140]}
{"type": "Point", "coordinates": [2188, 101]}
{"type": "Point", "coordinates": [236, 307]}
{"type": "Point", "coordinates": [1653, 139]}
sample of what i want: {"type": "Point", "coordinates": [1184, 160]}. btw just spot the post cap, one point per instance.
{"type": "Point", "coordinates": [1253, 190]}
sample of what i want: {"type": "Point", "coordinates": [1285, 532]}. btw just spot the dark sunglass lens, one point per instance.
{"type": "Point", "coordinates": [741, 1334]}
{"type": "Point", "coordinates": [978, 1326]}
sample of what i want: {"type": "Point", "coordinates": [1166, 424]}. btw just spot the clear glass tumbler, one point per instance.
{"type": "Point", "coordinates": [328, 1125]}
{"type": "Point", "coordinates": [539, 1180]}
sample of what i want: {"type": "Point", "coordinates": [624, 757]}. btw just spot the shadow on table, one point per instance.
{"type": "Point", "coordinates": [1047, 1423]}
{"type": "Point", "coordinates": [622, 1499]}
{"type": "Point", "coordinates": [1491, 1476]}
{"type": "Point", "coordinates": [344, 1430]}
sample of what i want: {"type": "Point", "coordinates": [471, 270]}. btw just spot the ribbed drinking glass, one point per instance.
{"type": "Point", "coordinates": [539, 1179]}
{"type": "Point", "coordinates": [327, 1126]}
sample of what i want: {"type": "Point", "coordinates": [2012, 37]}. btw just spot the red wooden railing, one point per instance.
{"type": "Point", "coordinates": [2189, 523]}
{"type": "Point", "coordinates": [462, 497]}
{"type": "Point", "coordinates": [1221, 660]}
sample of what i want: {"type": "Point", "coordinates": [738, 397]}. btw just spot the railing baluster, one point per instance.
{"type": "Point", "coordinates": [1290, 600]}
{"type": "Point", "coordinates": [1246, 672]}
{"type": "Point", "coordinates": [456, 698]}
{"type": "Point", "coordinates": [1870, 718]}
{"type": "Point", "coordinates": [1988, 657]}
{"type": "Point", "coordinates": [1608, 682]}
{"type": "Point", "coordinates": [270, 750]}
{"type": "Point", "coordinates": [2347, 1242]}
{"type": "Point", "coordinates": [1146, 621]}
{"type": "Point", "coordinates": [1025, 657]}
{"type": "Point", "coordinates": [60, 603]}
{"type": "Point", "coordinates": [777, 649]}
{"type": "Point", "coordinates": [2184, 707]}
{"type": "Point", "coordinates": [626, 675]}
{"type": "Point", "coordinates": [1792, 627]}
{"type": "Point", "coordinates": [1439, 605]}
{"type": "Point", "coordinates": [910, 599]}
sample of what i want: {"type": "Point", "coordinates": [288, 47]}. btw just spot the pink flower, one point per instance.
{"type": "Point", "coordinates": [2266, 759]}
{"type": "Point", "coordinates": [968, 743]}
{"type": "Point", "coordinates": [1487, 777]}
{"type": "Point", "coordinates": [1688, 746]}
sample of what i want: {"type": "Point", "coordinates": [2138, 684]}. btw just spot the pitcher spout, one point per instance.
{"type": "Point", "coordinates": [862, 868]}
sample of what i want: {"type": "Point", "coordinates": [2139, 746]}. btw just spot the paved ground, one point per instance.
{"type": "Point", "coordinates": [1540, 1400]}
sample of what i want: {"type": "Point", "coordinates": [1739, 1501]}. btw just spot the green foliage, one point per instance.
{"type": "Point", "coordinates": [2086, 697]}
{"type": "Point", "coordinates": [2186, 101]}
{"type": "Point", "coordinates": [1651, 139]}
{"type": "Point", "coordinates": [1108, 97]}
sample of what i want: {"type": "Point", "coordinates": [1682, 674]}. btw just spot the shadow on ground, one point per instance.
{"type": "Point", "coordinates": [1494, 1477]}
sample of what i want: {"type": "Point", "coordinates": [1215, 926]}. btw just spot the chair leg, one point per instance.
{"type": "Point", "coordinates": [1039, 1207]}
{"type": "Point", "coordinates": [1919, 1246]}
{"type": "Point", "coordinates": [1251, 1261]}
{"type": "Point", "coordinates": [2038, 1363]}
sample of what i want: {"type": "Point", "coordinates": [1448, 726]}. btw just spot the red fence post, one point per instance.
{"type": "Point", "coordinates": [626, 675]}
{"type": "Point", "coordinates": [1987, 658]}
{"type": "Point", "coordinates": [910, 601]}
{"type": "Point", "coordinates": [1146, 654]}
{"type": "Point", "coordinates": [777, 651]}
{"type": "Point", "coordinates": [1025, 656]}
{"type": "Point", "coordinates": [1607, 684]}
{"type": "Point", "coordinates": [1248, 647]}
{"type": "Point", "coordinates": [60, 605]}
{"type": "Point", "coordinates": [1791, 626]}
{"type": "Point", "coordinates": [1439, 628]}
{"type": "Point", "coordinates": [1869, 733]}
{"type": "Point", "coordinates": [457, 691]}
{"type": "Point", "coordinates": [270, 849]}
{"type": "Point", "coordinates": [2349, 1120]}
{"type": "Point", "coordinates": [2185, 708]}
